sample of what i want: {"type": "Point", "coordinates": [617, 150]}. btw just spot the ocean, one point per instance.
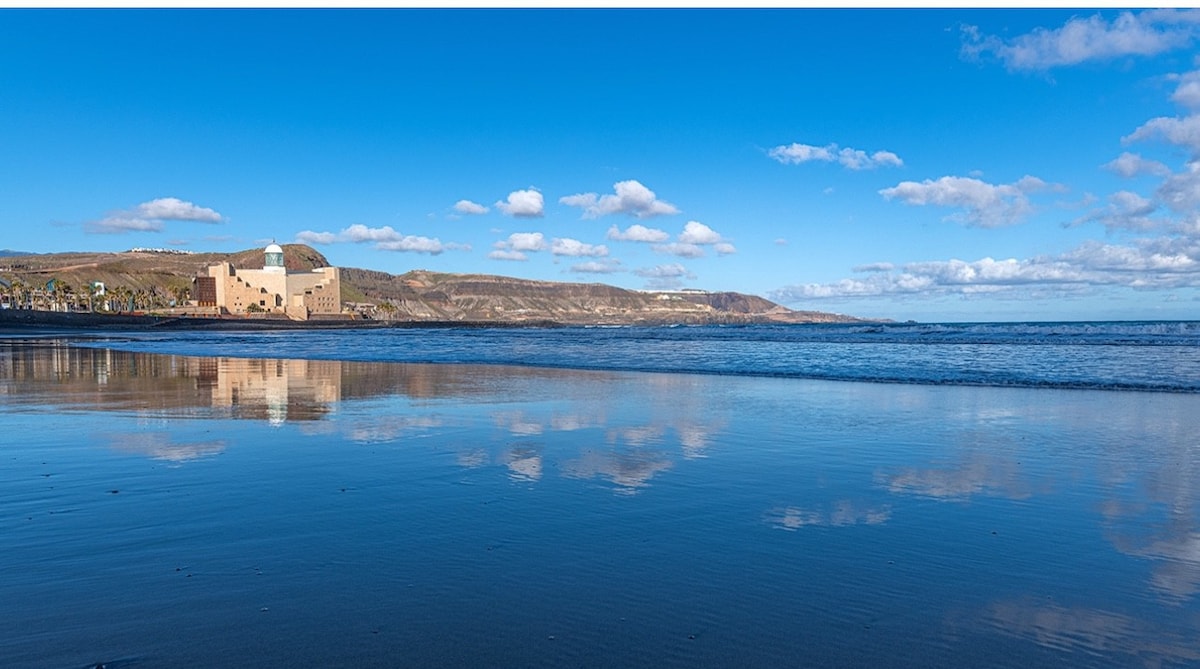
{"type": "Point", "coordinates": [896, 495]}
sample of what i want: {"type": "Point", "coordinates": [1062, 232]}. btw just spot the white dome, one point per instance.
{"type": "Point", "coordinates": [274, 248]}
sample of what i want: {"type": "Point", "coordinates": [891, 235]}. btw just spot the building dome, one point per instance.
{"type": "Point", "coordinates": [273, 259]}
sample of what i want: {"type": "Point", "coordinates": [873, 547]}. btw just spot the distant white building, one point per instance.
{"type": "Point", "coordinates": [272, 289]}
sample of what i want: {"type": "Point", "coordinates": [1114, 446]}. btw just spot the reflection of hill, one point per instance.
{"type": "Point", "coordinates": [52, 373]}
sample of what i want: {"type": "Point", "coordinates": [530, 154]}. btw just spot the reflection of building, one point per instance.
{"type": "Point", "coordinates": [272, 289]}
{"type": "Point", "coordinates": [277, 390]}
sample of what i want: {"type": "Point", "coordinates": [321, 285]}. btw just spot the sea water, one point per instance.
{"type": "Point", "coordinates": [1009, 496]}
{"type": "Point", "coordinates": [1114, 355]}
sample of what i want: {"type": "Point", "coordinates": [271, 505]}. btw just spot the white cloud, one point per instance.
{"type": "Point", "coordinates": [1086, 39]}
{"type": "Point", "coordinates": [637, 233]}
{"type": "Point", "coordinates": [874, 267]}
{"type": "Point", "coordinates": [1183, 132]}
{"type": "Point", "coordinates": [311, 237]}
{"type": "Point", "coordinates": [415, 244]}
{"type": "Point", "coordinates": [630, 197]}
{"type": "Point", "coordinates": [470, 208]}
{"type": "Point", "coordinates": [519, 244]}
{"type": "Point", "coordinates": [1125, 211]}
{"type": "Point", "coordinates": [384, 238]}
{"type": "Point", "coordinates": [525, 241]}
{"type": "Point", "coordinates": [1181, 191]}
{"type": "Point", "coordinates": [523, 204]}
{"type": "Point", "coordinates": [695, 232]}
{"type": "Point", "coordinates": [1130, 165]}
{"type": "Point", "coordinates": [802, 153]}
{"type": "Point", "coordinates": [692, 239]}
{"type": "Point", "coordinates": [576, 249]}
{"type": "Point", "coordinates": [122, 223]}
{"type": "Point", "coordinates": [1188, 91]}
{"type": "Point", "coordinates": [174, 209]}
{"type": "Point", "coordinates": [359, 233]}
{"type": "Point", "coordinates": [859, 160]}
{"type": "Point", "coordinates": [665, 277]}
{"type": "Point", "coordinates": [152, 216]}
{"type": "Point", "coordinates": [679, 249]}
{"type": "Point", "coordinates": [607, 266]}
{"type": "Point", "coordinates": [853, 159]}
{"type": "Point", "coordinates": [503, 254]}
{"type": "Point", "coordinates": [1164, 262]}
{"type": "Point", "coordinates": [986, 205]}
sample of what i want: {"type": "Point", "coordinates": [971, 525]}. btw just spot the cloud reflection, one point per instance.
{"type": "Point", "coordinates": [1095, 631]}
{"type": "Point", "coordinates": [161, 446]}
{"type": "Point", "coordinates": [843, 513]}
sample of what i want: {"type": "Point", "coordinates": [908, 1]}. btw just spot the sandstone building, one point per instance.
{"type": "Point", "coordinates": [272, 289]}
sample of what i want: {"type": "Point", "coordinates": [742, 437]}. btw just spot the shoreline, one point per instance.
{"type": "Point", "coordinates": [24, 320]}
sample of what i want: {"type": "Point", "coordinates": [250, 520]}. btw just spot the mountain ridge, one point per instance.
{"type": "Point", "coordinates": [417, 295]}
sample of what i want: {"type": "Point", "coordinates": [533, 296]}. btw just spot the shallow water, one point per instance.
{"type": "Point", "coordinates": [1159, 356]}
{"type": "Point", "coordinates": [164, 510]}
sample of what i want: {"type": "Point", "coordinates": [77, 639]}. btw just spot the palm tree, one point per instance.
{"type": "Point", "coordinates": [120, 295]}
{"type": "Point", "coordinates": [64, 294]}
{"type": "Point", "coordinates": [181, 293]}
{"type": "Point", "coordinates": [19, 291]}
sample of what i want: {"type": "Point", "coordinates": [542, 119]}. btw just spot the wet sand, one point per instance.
{"type": "Point", "coordinates": [179, 511]}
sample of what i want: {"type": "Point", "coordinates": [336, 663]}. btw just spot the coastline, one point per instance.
{"type": "Point", "coordinates": [24, 320]}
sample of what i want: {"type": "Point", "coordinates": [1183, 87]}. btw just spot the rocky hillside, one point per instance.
{"type": "Point", "coordinates": [420, 295]}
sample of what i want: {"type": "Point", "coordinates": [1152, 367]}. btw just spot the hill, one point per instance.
{"type": "Point", "coordinates": [156, 275]}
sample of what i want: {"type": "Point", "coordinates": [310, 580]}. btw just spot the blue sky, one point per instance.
{"type": "Point", "coordinates": [906, 164]}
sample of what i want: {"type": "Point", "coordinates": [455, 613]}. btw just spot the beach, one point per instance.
{"type": "Point", "coordinates": [169, 510]}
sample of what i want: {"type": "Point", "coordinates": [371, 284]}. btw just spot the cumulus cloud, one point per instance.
{"type": "Point", "coordinates": [1164, 262]}
{"type": "Point", "coordinates": [470, 208]}
{"type": "Point", "coordinates": [522, 204]}
{"type": "Point", "coordinates": [665, 277]}
{"type": "Point", "coordinates": [152, 216]}
{"type": "Point", "coordinates": [1130, 165]}
{"type": "Point", "coordinates": [629, 197]}
{"type": "Point", "coordinates": [524, 241]}
{"type": "Point", "coordinates": [985, 205]}
{"type": "Point", "coordinates": [606, 266]}
{"type": "Point", "coordinates": [1086, 39]}
{"type": "Point", "coordinates": [519, 244]}
{"type": "Point", "coordinates": [637, 233]}
{"type": "Point", "coordinates": [1180, 131]}
{"type": "Point", "coordinates": [1181, 191]}
{"type": "Point", "coordinates": [507, 254]}
{"type": "Point", "coordinates": [174, 209]}
{"type": "Point", "coordinates": [695, 232]}
{"type": "Point", "coordinates": [311, 237]}
{"type": "Point", "coordinates": [576, 249]}
{"type": "Point", "coordinates": [874, 267]}
{"type": "Point", "coordinates": [854, 159]}
{"type": "Point", "coordinates": [385, 239]}
{"type": "Point", "coordinates": [1188, 91]}
{"type": "Point", "coordinates": [1125, 211]}
{"type": "Point", "coordinates": [691, 242]}
{"type": "Point", "coordinates": [679, 249]}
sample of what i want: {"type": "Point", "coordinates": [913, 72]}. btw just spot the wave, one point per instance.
{"type": "Point", "coordinates": [1145, 356]}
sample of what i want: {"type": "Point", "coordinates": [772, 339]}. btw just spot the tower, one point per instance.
{"type": "Point", "coordinates": [273, 260]}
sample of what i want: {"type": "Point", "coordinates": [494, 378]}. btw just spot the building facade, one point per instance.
{"type": "Point", "coordinates": [272, 289]}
